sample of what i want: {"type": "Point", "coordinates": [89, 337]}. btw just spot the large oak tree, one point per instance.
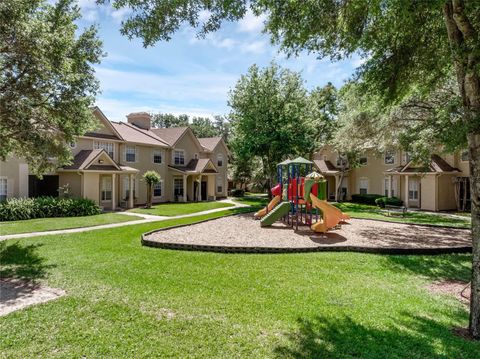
{"type": "Point", "coordinates": [47, 81]}
{"type": "Point", "coordinates": [407, 44]}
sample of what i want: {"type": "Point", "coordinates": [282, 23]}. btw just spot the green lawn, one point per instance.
{"type": "Point", "coordinates": [125, 300]}
{"type": "Point", "coordinates": [254, 201]}
{"type": "Point", "coordinates": [176, 209]}
{"type": "Point", "coordinates": [50, 224]}
{"type": "Point", "coordinates": [356, 210]}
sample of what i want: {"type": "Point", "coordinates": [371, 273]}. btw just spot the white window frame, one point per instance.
{"type": "Point", "coordinates": [462, 154]}
{"type": "Point", "coordinates": [413, 192]}
{"type": "Point", "coordinates": [160, 184]}
{"type": "Point", "coordinates": [219, 180]}
{"type": "Point", "coordinates": [104, 146]}
{"type": "Point", "coordinates": [104, 191]}
{"type": "Point", "coordinates": [393, 154]}
{"type": "Point", "coordinates": [220, 160]}
{"type": "Point", "coordinates": [3, 188]}
{"type": "Point", "coordinates": [174, 157]}
{"type": "Point", "coordinates": [178, 179]}
{"type": "Point", "coordinates": [157, 152]}
{"type": "Point", "coordinates": [392, 186]}
{"type": "Point", "coordinates": [127, 147]}
{"type": "Point", "coordinates": [361, 181]}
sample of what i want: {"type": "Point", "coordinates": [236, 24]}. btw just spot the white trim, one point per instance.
{"type": "Point", "coordinates": [134, 152]}
{"type": "Point", "coordinates": [161, 189]}
{"type": "Point", "coordinates": [173, 157]}
{"type": "Point", "coordinates": [161, 153]}
{"type": "Point", "coordinates": [220, 157]}
{"type": "Point", "coordinates": [98, 147]}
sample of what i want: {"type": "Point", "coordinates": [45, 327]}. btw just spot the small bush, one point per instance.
{"type": "Point", "coordinates": [15, 209]}
{"type": "Point", "coordinates": [365, 198]}
{"type": "Point", "coordinates": [391, 201]}
{"type": "Point", "coordinates": [238, 192]}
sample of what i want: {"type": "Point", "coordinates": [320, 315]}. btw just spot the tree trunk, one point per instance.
{"type": "Point", "coordinates": [463, 40]}
{"type": "Point", "coordinates": [149, 196]}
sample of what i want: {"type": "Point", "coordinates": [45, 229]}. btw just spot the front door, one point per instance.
{"type": "Point", "coordinates": [413, 192]}
{"type": "Point", "coordinates": [203, 188]}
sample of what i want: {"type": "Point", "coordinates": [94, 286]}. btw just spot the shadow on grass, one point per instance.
{"type": "Point", "coordinates": [409, 336]}
{"type": "Point", "coordinates": [22, 261]}
{"type": "Point", "coordinates": [441, 267]}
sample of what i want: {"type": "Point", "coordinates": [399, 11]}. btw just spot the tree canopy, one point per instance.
{"type": "Point", "coordinates": [47, 81]}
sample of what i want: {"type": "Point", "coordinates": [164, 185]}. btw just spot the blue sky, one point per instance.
{"type": "Point", "coordinates": [190, 75]}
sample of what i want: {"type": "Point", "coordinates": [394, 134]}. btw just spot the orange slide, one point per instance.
{"type": "Point", "coordinates": [332, 216]}
{"type": "Point", "coordinates": [275, 200]}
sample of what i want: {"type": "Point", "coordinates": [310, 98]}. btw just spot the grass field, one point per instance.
{"type": "Point", "coordinates": [125, 300]}
{"type": "Point", "coordinates": [176, 209]}
{"type": "Point", "coordinates": [51, 224]}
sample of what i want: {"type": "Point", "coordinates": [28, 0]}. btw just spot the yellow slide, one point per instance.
{"type": "Point", "coordinates": [275, 200]}
{"type": "Point", "coordinates": [332, 216]}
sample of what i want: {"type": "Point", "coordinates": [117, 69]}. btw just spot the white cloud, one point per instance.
{"type": "Point", "coordinates": [251, 23]}
{"type": "Point", "coordinates": [255, 47]}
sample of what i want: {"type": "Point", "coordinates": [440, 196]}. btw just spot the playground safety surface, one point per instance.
{"type": "Point", "coordinates": [243, 234]}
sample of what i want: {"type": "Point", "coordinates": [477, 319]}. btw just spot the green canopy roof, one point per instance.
{"type": "Point", "coordinates": [284, 163]}
{"type": "Point", "coordinates": [301, 161]}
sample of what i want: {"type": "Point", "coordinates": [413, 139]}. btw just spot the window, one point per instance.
{"type": "Point", "coordinates": [157, 189]}
{"type": "Point", "coordinates": [407, 157]}
{"type": "Point", "coordinates": [107, 146]}
{"type": "Point", "coordinates": [106, 194]}
{"type": "Point", "coordinates": [126, 187]}
{"type": "Point", "coordinates": [219, 160]}
{"type": "Point", "coordinates": [363, 186]}
{"type": "Point", "coordinates": [391, 186]}
{"type": "Point", "coordinates": [413, 190]}
{"type": "Point", "coordinates": [389, 158]}
{"type": "Point", "coordinates": [363, 160]}
{"type": "Point", "coordinates": [130, 154]}
{"type": "Point", "coordinates": [157, 156]}
{"type": "Point", "coordinates": [219, 184]}
{"type": "Point", "coordinates": [178, 187]}
{"type": "Point", "coordinates": [464, 156]}
{"type": "Point", "coordinates": [341, 161]}
{"type": "Point", "coordinates": [3, 189]}
{"type": "Point", "coordinates": [179, 157]}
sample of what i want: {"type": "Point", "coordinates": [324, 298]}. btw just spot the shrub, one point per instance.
{"type": "Point", "coordinates": [391, 201]}
{"type": "Point", "coordinates": [237, 192]}
{"type": "Point", "coordinates": [365, 198]}
{"type": "Point", "coordinates": [15, 209]}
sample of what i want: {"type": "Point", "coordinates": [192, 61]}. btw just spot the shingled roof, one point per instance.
{"type": "Point", "coordinates": [209, 143]}
{"type": "Point", "coordinates": [437, 164]}
{"type": "Point", "coordinates": [132, 133]}
{"type": "Point", "coordinates": [196, 166]}
{"type": "Point", "coordinates": [83, 160]}
{"type": "Point", "coordinates": [326, 166]}
{"type": "Point", "coordinates": [170, 135]}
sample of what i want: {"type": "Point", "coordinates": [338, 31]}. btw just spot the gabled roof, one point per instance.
{"type": "Point", "coordinates": [437, 165]}
{"type": "Point", "coordinates": [132, 133]}
{"type": "Point", "coordinates": [107, 123]}
{"type": "Point", "coordinates": [170, 135]}
{"type": "Point", "coordinates": [326, 166]}
{"type": "Point", "coordinates": [209, 143]}
{"type": "Point", "coordinates": [86, 160]}
{"type": "Point", "coordinates": [197, 166]}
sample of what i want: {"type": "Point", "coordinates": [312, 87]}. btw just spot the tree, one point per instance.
{"type": "Point", "coordinates": [203, 127]}
{"type": "Point", "coordinates": [47, 81]}
{"type": "Point", "coordinates": [268, 117]}
{"type": "Point", "coordinates": [166, 120]}
{"type": "Point", "coordinates": [151, 178]}
{"type": "Point", "coordinates": [407, 45]}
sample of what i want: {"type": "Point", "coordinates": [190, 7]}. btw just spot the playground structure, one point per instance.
{"type": "Point", "coordinates": [299, 198]}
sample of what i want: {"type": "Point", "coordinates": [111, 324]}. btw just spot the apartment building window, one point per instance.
{"type": "Point", "coordinates": [219, 160]}
{"type": "Point", "coordinates": [219, 184]}
{"type": "Point", "coordinates": [130, 154]}
{"type": "Point", "coordinates": [106, 193]}
{"type": "Point", "coordinates": [107, 146]}
{"type": "Point", "coordinates": [157, 189]}
{"type": "Point", "coordinates": [179, 157]}
{"type": "Point", "coordinates": [341, 161]}
{"type": "Point", "coordinates": [363, 160]}
{"type": "Point", "coordinates": [389, 158]}
{"type": "Point", "coordinates": [464, 156]}
{"type": "Point", "coordinates": [178, 187]}
{"type": "Point", "coordinates": [3, 189]}
{"type": "Point", "coordinates": [391, 186]}
{"type": "Point", "coordinates": [363, 186]}
{"type": "Point", "coordinates": [413, 189]}
{"type": "Point", "coordinates": [157, 156]}
{"type": "Point", "coordinates": [126, 187]}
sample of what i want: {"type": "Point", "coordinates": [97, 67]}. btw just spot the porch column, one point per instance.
{"type": "Point", "coordinates": [130, 196]}
{"type": "Point", "coordinates": [336, 188]}
{"type": "Point", "coordinates": [390, 185]}
{"type": "Point", "coordinates": [184, 188]}
{"type": "Point", "coordinates": [406, 191]}
{"type": "Point", "coordinates": [199, 189]}
{"type": "Point", "coordinates": [114, 191]}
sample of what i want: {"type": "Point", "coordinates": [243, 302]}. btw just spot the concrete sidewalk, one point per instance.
{"type": "Point", "coordinates": [147, 218]}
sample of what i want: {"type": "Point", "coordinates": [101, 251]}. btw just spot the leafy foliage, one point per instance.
{"type": "Point", "coordinates": [388, 201]}
{"type": "Point", "coordinates": [47, 81]}
{"type": "Point", "coordinates": [366, 198]}
{"type": "Point", "coordinates": [15, 209]}
{"type": "Point", "coordinates": [150, 178]}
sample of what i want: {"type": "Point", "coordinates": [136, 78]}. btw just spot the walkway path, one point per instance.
{"type": "Point", "coordinates": [146, 219]}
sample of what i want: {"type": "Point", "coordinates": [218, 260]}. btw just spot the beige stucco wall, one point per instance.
{"type": "Point", "coordinates": [428, 193]}
{"type": "Point", "coordinates": [16, 171]}
{"type": "Point", "coordinates": [91, 186]}
{"type": "Point", "coordinates": [74, 181]}
{"type": "Point", "coordinates": [446, 191]}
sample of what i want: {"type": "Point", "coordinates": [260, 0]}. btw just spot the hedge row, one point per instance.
{"type": "Point", "coordinates": [391, 201]}
{"type": "Point", "coordinates": [15, 209]}
{"type": "Point", "coordinates": [366, 198]}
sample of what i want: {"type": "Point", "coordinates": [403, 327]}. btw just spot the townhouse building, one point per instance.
{"type": "Point", "coordinates": [442, 185]}
{"type": "Point", "coordinates": [108, 164]}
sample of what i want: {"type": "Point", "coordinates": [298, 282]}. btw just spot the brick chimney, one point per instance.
{"type": "Point", "coordinates": [140, 119]}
